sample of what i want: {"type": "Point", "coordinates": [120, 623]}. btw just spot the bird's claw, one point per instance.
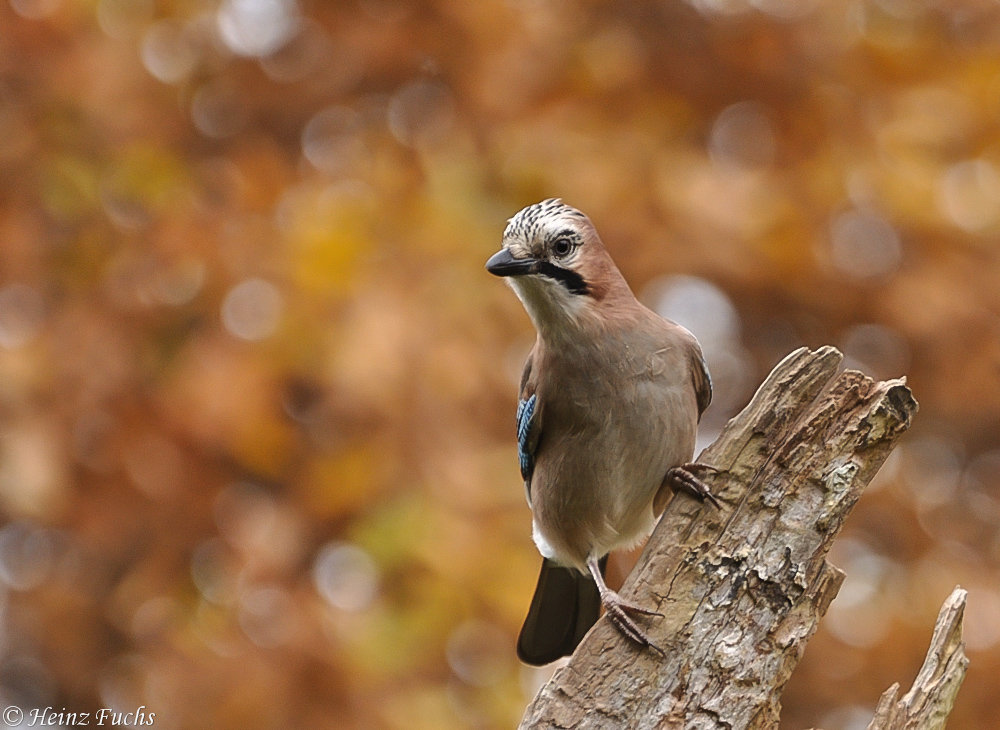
{"type": "Point", "coordinates": [696, 465]}
{"type": "Point", "coordinates": [618, 610]}
{"type": "Point", "coordinates": [682, 478]}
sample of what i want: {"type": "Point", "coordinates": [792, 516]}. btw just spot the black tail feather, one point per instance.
{"type": "Point", "coordinates": [566, 604]}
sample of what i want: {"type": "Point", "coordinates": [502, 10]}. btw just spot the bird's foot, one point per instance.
{"type": "Point", "coordinates": [682, 478]}
{"type": "Point", "coordinates": [618, 610]}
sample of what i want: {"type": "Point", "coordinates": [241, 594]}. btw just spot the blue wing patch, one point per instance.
{"type": "Point", "coordinates": [525, 413]}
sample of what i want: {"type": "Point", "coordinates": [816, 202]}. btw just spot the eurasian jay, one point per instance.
{"type": "Point", "coordinates": [610, 399]}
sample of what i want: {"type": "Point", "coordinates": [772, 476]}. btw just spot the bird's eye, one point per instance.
{"type": "Point", "coordinates": [561, 247]}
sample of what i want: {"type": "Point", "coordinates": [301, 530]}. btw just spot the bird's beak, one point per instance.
{"type": "Point", "coordinates": [502, 263]}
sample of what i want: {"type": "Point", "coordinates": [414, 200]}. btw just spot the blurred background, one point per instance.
{"type": "Point", "coordinates": [257, 392]}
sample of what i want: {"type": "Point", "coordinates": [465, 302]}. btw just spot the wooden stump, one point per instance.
{"type": "Point", "coordinates": [743, 588]}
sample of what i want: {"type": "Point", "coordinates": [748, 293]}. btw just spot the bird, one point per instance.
{"type": "Point", "coordinates": [609, 403]}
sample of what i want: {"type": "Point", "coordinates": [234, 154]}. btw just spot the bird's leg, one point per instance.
{"type": "Point", "coordinates": [681, 478]}
{"type": "Point", "coordinates": [618, 609]}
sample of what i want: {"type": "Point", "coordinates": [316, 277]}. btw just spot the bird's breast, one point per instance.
{"type": "Point", "coordinates": [608, 440]}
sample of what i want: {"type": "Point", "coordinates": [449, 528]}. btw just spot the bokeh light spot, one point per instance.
{"type": "Point", "coordinates": [876, 350]}
{"type": "Point", "coordinates": [849, 717]}
{"type": "Point", "coordinates": [178, 283]}
{"type": "Point", "coordinates": [480, 653]}
{"type": "Point", "coordinates": [858, 616]}
{"type": "Point", "coordinates": [154, 618]}
{"type": "Point", "coordinates": [697, 304]}
{"type": "Point", "coordinates": [421, 113]}
{"type": "Point", "coordinates": [213, 571]}
{"type": "Point", "coordinates": [981, 625]}
{"type": "Point", "coordinates": [785, 9]}
{"type": "Point", "coordinates": [981, 484]}
{"type": "Point", "coordinates": [123, 19]}
{"type": "Point", "coordinates": [27, 682]}
{"type": "Point", "coordinates": [331, 141]}
{"type": "Point", "coordinates": [26, 554]}
{"type": "Point", "coordinates": [310, 51]}
{"type": "Point", "coordinates": [155, 466]}
{"type": "Point", "coordinates": [969, 194]}
{"type": "Point", "coordinates": [252, 310]}
{"type": "Point", "coordinates": [708, 313]}
{"type": "Point", "coordinates": [217, 109]}
{"type": "Point", "coordinates": [21, 313]}
{"type": "Point", "coordinates": [257, 27]}
{"type": "Point", "coordinates": [742, 137]}
{"type": "Point", "coordinates": [246, 514]}
{"type": "Point", "coordinates": [265, 615]}
{"type": "Point", "coordinates": [346, 576]}
{"type": "Point", "coordinates": [168, 51]}
{"type": "Point", "coordinates": [35, 9]}
{"type": "Point", "coordinates": [865, 245]}
{"type": "Point", "coordinates": [720, 7]}
{"type": "Point", "coordinates": [122, 682]}
{"type": "Point", "coordinates": [931, 468]}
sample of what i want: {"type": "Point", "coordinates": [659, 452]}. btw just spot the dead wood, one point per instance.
{"type": "Point", "coordinates": [743, 588]}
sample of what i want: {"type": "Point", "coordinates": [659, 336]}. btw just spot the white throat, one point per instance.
{"type": "Point", "coordinates": [554, 311]}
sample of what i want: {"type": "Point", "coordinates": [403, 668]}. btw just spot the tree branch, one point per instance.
{"type": "Point", "coordinates": [927, 705]}
{"type": "Point", "coordinates": [742, 588]}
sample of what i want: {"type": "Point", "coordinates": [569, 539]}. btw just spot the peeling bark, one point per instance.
{"type": "Point", "coordinates": [742, 588]}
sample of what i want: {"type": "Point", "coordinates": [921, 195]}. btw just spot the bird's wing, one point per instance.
{"type": "Point", "coordinates": [529, 422]}
{"type": "Point", "coordinates": [702, 380]}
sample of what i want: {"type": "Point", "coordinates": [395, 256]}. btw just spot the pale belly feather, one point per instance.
{"type": "Point", "coordinates": [597, 494]}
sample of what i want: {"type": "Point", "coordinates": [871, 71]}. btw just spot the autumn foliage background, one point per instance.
{"type": "Point", "coordinates": [257, 466]}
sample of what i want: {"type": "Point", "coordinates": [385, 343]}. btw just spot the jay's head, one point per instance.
{"type": "Point", "coordinates": [555, 262]}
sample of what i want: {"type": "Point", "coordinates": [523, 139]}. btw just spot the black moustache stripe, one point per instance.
{"type": "Point", "coordinates": [573, 282]}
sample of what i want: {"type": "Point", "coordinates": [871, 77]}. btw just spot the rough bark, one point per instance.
{"type": "Point", "coordinates": [927, 705]}
{"type": "Point", "coordinates": [742, 588]}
